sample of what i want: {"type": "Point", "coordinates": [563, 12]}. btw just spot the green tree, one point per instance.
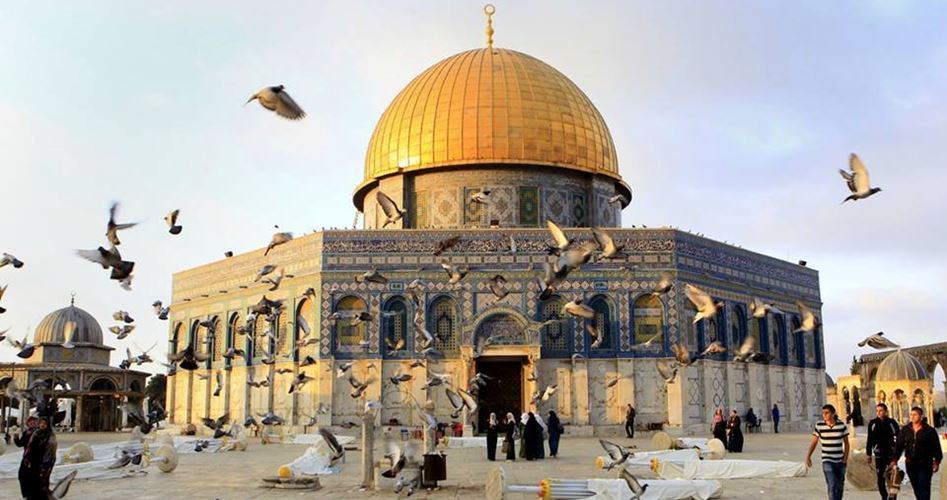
{"type": "Point", "coordinates": [855, 368]}
{"type": "Point", "coordinates": [157, 388]}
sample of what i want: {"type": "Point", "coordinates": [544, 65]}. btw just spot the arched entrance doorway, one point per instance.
{"type": "Point", "coordinates": [498, 341]}
{"type": "Point", "coordinates": [100, 411]}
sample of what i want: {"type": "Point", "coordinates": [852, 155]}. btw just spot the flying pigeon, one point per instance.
{"type": "Point", "coordinates": [857, 181]}
{"type": "Point", "coordinates": [392, 212]}
{"type": "Point", "coordinates": [277, 100]}
{"type": "Point", "coordinates": [706, 307]}
{"type": "Point", "coordinates": [172, 220]}
{"type": "Point", "coordinates": [878, 341]}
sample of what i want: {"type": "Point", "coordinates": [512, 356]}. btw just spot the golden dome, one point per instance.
{"type": "Point", "coordinates": [489, 106]}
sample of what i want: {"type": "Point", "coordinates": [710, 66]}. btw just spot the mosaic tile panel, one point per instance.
{"type": "Point", "coordinates": [421, 211]}
{"type": "Point", "coordinates": [555, 206]}
{"type": "Point", "coordinates": [577, 210]}
{"type": "Point", "coordinates": [475, 214]}
{"type": "Point", "coordinates": [445, 208]}
{"type": "Point", "coordinates": [502, 206]}
{"type": "Point", "coordinates": [528, 205]}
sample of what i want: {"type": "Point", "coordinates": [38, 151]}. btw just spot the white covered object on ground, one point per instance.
{"type": "Point", "coordinates": [643, 458]}
{"type": "Point", "coordinates": [315, 461]}
{"type": "Point", "coordinates": [617, 489]}
{"type": "Point", "coordinates": [730, 469]}
{"type": "Point", "coordinates": [316, 438]}
{"type": "Point", "coordinates": [699, 443]}
{"type": "Point", "coordinates": [467, 442]}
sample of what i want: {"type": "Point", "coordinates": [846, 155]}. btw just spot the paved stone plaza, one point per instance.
{"type": "Point", "coordinates": [237, 475]}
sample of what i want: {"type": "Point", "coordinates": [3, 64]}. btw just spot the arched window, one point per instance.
{"type": "Point", "coordinates": [647, 318]}
{"type": "Point", "coordinates": [193, 339]}
{"type": "Point", "coordinates": [737, 327]}
{"type": "Point", "coordinates": [692, 331]}
{"type": "Point", "coordinates": [556, 337]}
{"type": "Point", "coordinates": [349, 332]}
{"type": "Point", "coordinates": [261, 341]}
{"type": "Point", "coordinates": [442, 323]}
{"type": "Point", "coordinates": [216, 339]}
{"type": "Point", "coordinates": [394, 322]}
{"type": "Point", "coordinates": [284, 337]}
{"type": "Point", "coordinates": [774, 321]}
{"type": "Point", "coordinates": [755, 327]}
{"type": "Point", "coordinates": [103, 384]}
{"type": "Point", "coordinates": [603, 321]}
{"type": "Point", "coordinates": [795, 343]}
{"type": "Point", "coordinates": [175, 342]}
{"type": "Point", "coordinates": [306, 312]}
{"type": "Point", "coordinates": [234, 340]}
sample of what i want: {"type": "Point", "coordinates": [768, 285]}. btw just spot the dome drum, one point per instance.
{"type": "Point", "coordinates": [520, 196]}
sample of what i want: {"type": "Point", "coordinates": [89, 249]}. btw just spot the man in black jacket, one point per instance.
{"type": "Point", "coordinates": [882, 443]}
{"type": "Point", "coordinates": [922, 454]}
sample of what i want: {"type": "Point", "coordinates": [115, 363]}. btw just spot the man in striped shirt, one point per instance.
{"type": "Point", "coordinates": [832, 434]}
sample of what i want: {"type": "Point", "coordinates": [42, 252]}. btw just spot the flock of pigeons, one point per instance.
{"type": "Point", "coordinates": [570, 254]}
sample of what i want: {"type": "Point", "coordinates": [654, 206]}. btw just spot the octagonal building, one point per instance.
{"type": "Point", "coordinates": [499, 121]}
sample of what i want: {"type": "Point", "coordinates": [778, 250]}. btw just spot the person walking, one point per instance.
{"type": "Point", "coordinates": [630, 415]}
{"type": "Point", "coordinates": [775, 418]}
{"type": "Point", "coordinates": [920, 445]}
{"type": "Point", "coordinates": [493, 430]}
{"type": "Point", "coordinates": [719, 428]}
{"type": "Point", "coordinates": [21, 439]}
{"type": "Point", "coordinates": [533, 435]}
{"type": "Point", "coordinates": [541, 447]}
{"type": "Point", "coordinates": [882, 444]}
{"type": "Point", "coordinates": [40, 456]}
{"type": "Point", "coordinates": [509, 441]}
{"type": "Point", "coordinates": [555, 431]}
{"type": "Point", "coordinates": [734, 433]}
{"type": "Point", "coordinates": [832, 435]}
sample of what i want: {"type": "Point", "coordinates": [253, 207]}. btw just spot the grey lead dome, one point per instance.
{"type": "Point", "coordinates": [68, 323]}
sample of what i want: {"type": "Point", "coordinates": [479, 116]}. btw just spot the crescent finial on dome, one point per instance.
{"type": "Point", "coordinates": [489, 10]}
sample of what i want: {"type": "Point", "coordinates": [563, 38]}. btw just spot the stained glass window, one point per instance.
{"type": "Point", "coordinates": [235, 340]}
{"type": "Point", "coordinates": [217, 340]}
{"type": "Point", "coordinates": [306, 311]}
{"type": "Point", "coordinates": [395, 326]}
{"type": "Point", "coordinates": [284, 337]}
{"type": "Point", "coordinates": [350, 332]}
{"type": "Point", "coordinates": [556, 336]}
{"type": "Point", "coordinates": [261, 341]}
{"type": "Point", "coordinates": [737, 327]}
{"type": "Point", "coordinates": [443, 325]}
{"type": "Point", "coordinates": [648, 318]}
{"type": "Point", "coordinates": [602, 321]}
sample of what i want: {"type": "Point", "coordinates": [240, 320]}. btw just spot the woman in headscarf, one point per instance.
{"type": "Point", "coordinates": [541, 446]}
{"type": "Point", "coordinates": [21, 439]}
{"type": "Point", "coordinates": [720, 426]}
{"type": "Point", "coordinates": [534, 437]}
{"type": "Point", "coordinates": [521, 426]}
{"type": "Point", "coordinates": [554, 428]}
{"type": "Point", "coordinates": [493, 429]}
{"type": "Point", "coordinates": [510, 439]}
{"type": "Point", "coordinates": [40, 456]}
{"type": "Point", "coordinates": [735, 442]}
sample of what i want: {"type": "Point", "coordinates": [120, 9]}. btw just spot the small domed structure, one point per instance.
{"type": "Point", "coordinates": [828, 381]}
{"type": "Point", "coordinates": [901, 365]}
{"type": "Point", "coordinates": [905, 382]}
{"type": "Point", "coordinates": [69, 323]}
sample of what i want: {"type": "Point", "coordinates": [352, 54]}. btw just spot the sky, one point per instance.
{"type": "Point", "coordinates": [731, 118]}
